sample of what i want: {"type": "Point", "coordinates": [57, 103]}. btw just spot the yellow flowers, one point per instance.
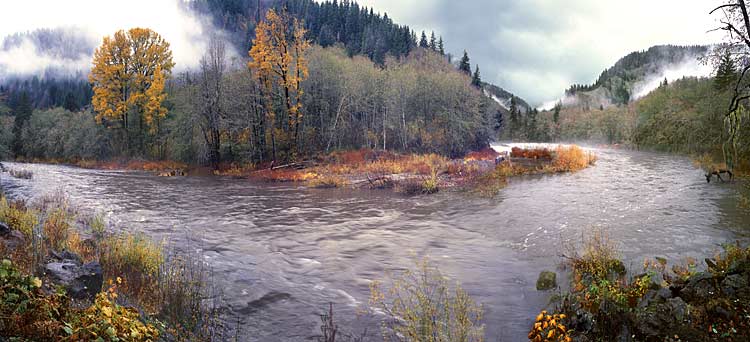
{"type": "Point", "coordinates": [549, 328]}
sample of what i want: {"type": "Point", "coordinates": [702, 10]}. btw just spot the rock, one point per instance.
{"type": "Point", "coordinates": [81, 281]}
{"type": "Point", "coordinates": [734, 284]}
{"type": "Point", "coordinates": [547, 280]}
{"type": "Point", "coordinates": [678, 308]}
{"type": "Point", "coordinates": [739, 266]}
{"type": "Point", "coordinates": [4, 229]}
{"type": "Point", "coordinates": [664, 294]}
{"type": "Point", "coordinates": [66, 256]}
{"type": "Point", "coordinates": [699, 287]}
{"type": "Point", "coordinates": [653, 322]}
{"type": "Point", "coordinates": [12, 240]}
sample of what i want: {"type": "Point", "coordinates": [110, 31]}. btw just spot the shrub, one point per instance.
{"type": "Point", "coordinates": [421, 306]}
{"type": "Point", "coordinates": [137, 259]}
{"type": "Point", "coordinates": [535, 153]}
{"type": "Point", "coordinates": [25, 311]}
{"type": "Point", "coordinates": [327, 182]}
{"type": "Point", "coordinates": [55, 228]}
{"type": "Point", "coordinates": [105, 320]}
{"type": "Point", "coordinates": [21, 174]}
{"type": "Point", "coordinates": [188, 303]}
{"type": "Point", "coordinates": [549, 328]}
{"type": "Point", "coordinates": [17, 216]}
{"type": "Point", "coordinates": [572, 158]}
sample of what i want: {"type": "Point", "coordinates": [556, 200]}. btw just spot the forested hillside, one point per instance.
{"type": "Point", "coordinates": [375, 86]}
{"type": "Point", "coordinates": [617, 84]}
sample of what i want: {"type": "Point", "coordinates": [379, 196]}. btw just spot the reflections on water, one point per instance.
{"type": "Point", "coordinates": [282, 252]}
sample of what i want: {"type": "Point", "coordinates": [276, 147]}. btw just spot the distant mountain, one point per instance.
{"type": "Point", "coordinates": [503, 97]}
{"type": "Point", "coordinates": [636, 74]}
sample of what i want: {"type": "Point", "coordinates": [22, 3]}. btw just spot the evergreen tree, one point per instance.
{"type": "Point", "coordinates": [464, 65]}
{"type": "Point", "coordinates": [441, 47]}
{"type": "Point", "coordinates": [499, 121]}
{"type": "Point", "coordinates": [556, 113]}
{"type": "Point", "coordinates": [476, 79]}
{"type": "Point", "coordinates": [726, 75]}
{"type": "Point", "coordinates": [423, 41]}
{"type": "Point", "coordinates": [70, 103]}
{"type": "Point", "coordinates": [513, 125]}
{"type": "Point", "coordinates": [22, 114]}
{"type": "Point", "coordinates": [433, 42]}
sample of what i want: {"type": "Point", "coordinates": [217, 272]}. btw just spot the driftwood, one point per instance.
{"type": "Point", "coordinates": [297, 166]}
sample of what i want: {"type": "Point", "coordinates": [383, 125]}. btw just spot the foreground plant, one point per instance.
{"type": "Point", "coordinates": [106, 320]}
{"type": "Point", "coordinates": [422, 306]}
{"type": "Point", "coordinates": [549, 328]}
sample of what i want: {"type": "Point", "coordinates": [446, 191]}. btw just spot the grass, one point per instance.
{"type": "Point", "coordinates": [421, 305]}
{"type": "Point", "coordinates": [21, 174]}
{"type": "Point", "coordinates": [165, 287]}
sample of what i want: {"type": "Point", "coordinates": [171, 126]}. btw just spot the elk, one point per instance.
{"type": "Point", "coordinates": [718, 172]}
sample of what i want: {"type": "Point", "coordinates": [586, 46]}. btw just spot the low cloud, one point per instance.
{"type": "Point", "coordinates": [187, 33]}
{"type": "Point", "coordinates": [689, 67]}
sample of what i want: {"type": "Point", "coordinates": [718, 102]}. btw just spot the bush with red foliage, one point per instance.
{"type": "Point", "coordinates": [484, 154]}
{"type": "Point", "coordinates": [536, 153]}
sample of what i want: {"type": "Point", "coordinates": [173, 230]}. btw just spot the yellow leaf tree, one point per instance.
{"type": "Point", "coordinates": [278, 59]}
{"type": "Point", "coordinates": [128, 76]}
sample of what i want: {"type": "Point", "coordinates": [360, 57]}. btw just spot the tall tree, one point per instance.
{"type": "Point", "coordinates": [128, 76]}
{"type": "Point", "coordinates": [423, 41]}
{"type": "Point", "coordinates": [736, 23]}
{"type": "Point", "coordinates": [476, 79]}
{"type": "Point", "coordinates": [212, 102]}
{"type": "Point", "coordinates": [278, 58]}
{"type": "Point", "coordinates": [441, 47]}
{"type": "Point", "coordinates": [22, 114]}
{"type": "Point", "coordinates": [726, 73]}
{"type": "Point", "coordinates": [464, 64]}
{"type": "Point", "coordinates": [433, 42]}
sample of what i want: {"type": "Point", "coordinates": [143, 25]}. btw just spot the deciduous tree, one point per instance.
{"type": "Point", "coordinates": [128, 78]}
{"type": "Point", "coordinates": [278, 59]}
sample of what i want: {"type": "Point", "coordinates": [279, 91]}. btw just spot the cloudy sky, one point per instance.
{"type": "Point", "coordinates": [536, 48]}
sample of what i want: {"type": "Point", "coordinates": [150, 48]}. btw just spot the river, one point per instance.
{"type": "Point", "coordinates": [300, 248]}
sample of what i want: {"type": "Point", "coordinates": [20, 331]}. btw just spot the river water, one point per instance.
{"type": "Point", "coordinates": [282, 252]}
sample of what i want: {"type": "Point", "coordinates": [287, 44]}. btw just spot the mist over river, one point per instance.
{"type": "Point", "coordinates": [282, 252]}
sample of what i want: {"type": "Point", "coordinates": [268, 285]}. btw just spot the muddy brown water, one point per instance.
{"type": "Point", "coordinates": [281, 252]}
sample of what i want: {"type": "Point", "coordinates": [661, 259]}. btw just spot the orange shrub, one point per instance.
{"type": "Point", "coordinates": [573, 158]}
{"type": "Point", "coordinates": [536, 153]}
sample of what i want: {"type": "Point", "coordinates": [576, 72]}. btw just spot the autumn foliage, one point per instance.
{"type": "Point", "coordinates": [128, 77]}
{"type": "Point", "coordinates": [278, 60]}
{"type": "Point", "coordinates": [535, 153]}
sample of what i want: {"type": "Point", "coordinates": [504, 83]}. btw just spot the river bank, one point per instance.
{"type": "Point", "coordinates": [281, 252]}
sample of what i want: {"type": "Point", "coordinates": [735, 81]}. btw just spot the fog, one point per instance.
{"type": "Point", "coordinates": [187, 33]}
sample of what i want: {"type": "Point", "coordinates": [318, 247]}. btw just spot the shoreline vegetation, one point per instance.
{"type": "Point", "coordinates": [408, 174]}
{"type": "Point", "coordinates": [66, 276]}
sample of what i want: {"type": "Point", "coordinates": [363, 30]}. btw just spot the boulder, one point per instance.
{"type": "Point", "coordinates": [700, 287]}
{"type": "Point", "coordinates": [12, 240]}
{"type": "Point", "coordinates": [65, 256]}
{"type": "Point", "coordinates": [4, 229]}
{"type": "Point", "coordinates": [82, 281]}
{"type": "Point", "coordinates": [547, 280]}
{"type": "Point", "coordinates": [734, 284]}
